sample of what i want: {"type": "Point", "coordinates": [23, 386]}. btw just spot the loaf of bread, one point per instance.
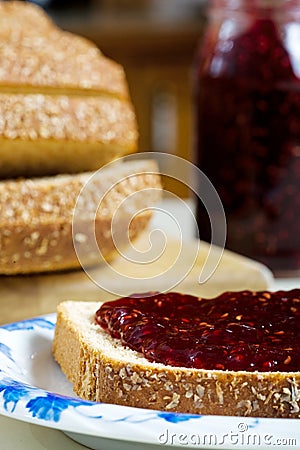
{"type": "Point", "coordinates": [103, 370]}
{"type": "Point", "coordinates": [64, 106]}
{"type": "Point", "coordinates": [36, 216]}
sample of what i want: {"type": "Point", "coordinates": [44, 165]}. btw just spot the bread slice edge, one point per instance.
{"type": "Point", "coordinates": [102, 370]}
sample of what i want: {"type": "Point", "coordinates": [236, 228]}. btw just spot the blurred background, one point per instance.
{"type": "Point", "coordinates": [155, 41]}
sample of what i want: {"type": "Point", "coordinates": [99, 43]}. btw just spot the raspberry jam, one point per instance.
{"type": "Point", "coordinates": [247, 104]}
{"type": "Point", "coordinates": [234, 331]}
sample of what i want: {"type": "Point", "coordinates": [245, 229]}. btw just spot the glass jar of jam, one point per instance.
{"type": "Point", "coordinates": [247, 108]}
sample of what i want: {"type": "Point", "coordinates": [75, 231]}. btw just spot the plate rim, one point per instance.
{"type": "Point", "coordinates": [139, 415]}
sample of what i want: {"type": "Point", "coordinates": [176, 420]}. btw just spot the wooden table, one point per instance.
{"type": "Point", "coordinates": [24, 297]}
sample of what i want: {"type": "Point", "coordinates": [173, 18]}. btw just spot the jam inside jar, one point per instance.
{"type": "Point", "coordinates": [247, 107]}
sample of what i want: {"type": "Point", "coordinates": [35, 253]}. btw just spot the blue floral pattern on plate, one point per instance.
{"type": "Point", "coordinates": [31, 324]}
{"type": "Point", "coordinates": [33, 389]}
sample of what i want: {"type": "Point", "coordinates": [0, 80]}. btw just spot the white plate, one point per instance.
{"type": "Point", "coordinates": [33, 389]}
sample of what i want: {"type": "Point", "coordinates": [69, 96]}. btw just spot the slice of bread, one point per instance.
{"type": "Point", "coordinates": [64, 106]}
{"type": "Point", "coordinates": [102, 370]}
{"type": "Point", "coordinates": [38, 56]}
{"type": "Point", "coordinates": [50, 134]}
{"type": "Point", "coordinates": [36, 216]}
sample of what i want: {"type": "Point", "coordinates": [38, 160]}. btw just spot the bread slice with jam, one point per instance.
{"type": "Point", "coordinates": [94, 352]}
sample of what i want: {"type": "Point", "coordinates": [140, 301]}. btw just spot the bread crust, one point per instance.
{"type": "Point", "coordinates": [98, 376]}
{"type": "Point", "coordinates": [36, 217]}
{"type": "Point", "coordinates": [64, 106]}
{"type": "Point", "coordinates": [37, 55]}
{"type": "Point", "coordinates": [43, 134]}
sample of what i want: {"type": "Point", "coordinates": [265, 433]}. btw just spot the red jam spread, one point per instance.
{"type": "Point", "coordinates": [248, 135]}
{"type": "Point", "coordinates": [235, 331]}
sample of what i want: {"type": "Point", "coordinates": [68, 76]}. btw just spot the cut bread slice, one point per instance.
{"type": "Point", "coordinates": [36, 216]}
{"type": "Point", "coordinates": [50, 134]}
{"type": "Point", "coordinates": [103, 370]}
{"type": "Point", "coordinates": [64, 106]}
{"type": "Point", "coordinates": [38, 56]}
